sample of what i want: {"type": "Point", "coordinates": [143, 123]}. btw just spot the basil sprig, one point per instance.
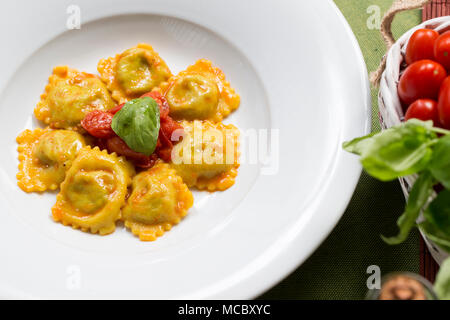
{"type": "Point", "coordinates": [395, 152]}
{"type": "Point", "coordinates": [137, 123]}
{"type": "Point", "coordinates": [413, 147]}
{"type": "Point", "coordinates": [440, 164]}
{"type": "Point", "coordinates": [418, 198]}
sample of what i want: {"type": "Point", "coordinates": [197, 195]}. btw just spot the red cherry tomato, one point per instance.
{"type": "Point", "coordinates": [161, 100]}
{"type": "Point", "coordinates": [423, 109]}
{"type": "Point", "coordinates": [165, 142]}
{"type": "Point", "coordinates": [165, 146]}
{"type": "Point", "coordinates": [117, 145]}
{"type": "Point", "coordinates": [421, 80]}
{"type": "Point", "coordinates": [442, 49]}
{"type": "Point", "coordinates": [148, 162]}
{"type": "Point", "coordinates": [444, 104]}
{"type": "Point", "coordinates": [98, 124]}
{"type": "Point", "coordinates": [168, 125]}
{"type": "Point", "coordinates": [116, 109]}
{"type": "Point", "coordinates": [421, 45]}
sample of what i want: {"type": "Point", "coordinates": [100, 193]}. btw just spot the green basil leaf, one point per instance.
{"type": "Point", "coordinates": [440, 162]}
{"type": "Point", "coordinates": [438, 212]}
{"type": "Point", "coordinates": [418, 198]}
{"type": "Point", "coordinates": [396, 152]}
{"type": "Point", "coordinates": [137, 123]}
{"type": "Point", "coordinates": [434, 234]}
{"type": "Point", "coordinates": [358, 145]}
{"type": "Point", "coordinates": [442, 283]}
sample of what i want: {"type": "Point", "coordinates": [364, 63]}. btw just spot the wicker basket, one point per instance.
{"type": "Point", "coordinates": [390, 109]}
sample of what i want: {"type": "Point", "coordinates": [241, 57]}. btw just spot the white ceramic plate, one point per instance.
{"type": "Point", "coordinates": [298, 69]}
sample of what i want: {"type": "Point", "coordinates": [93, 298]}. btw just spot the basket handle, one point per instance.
{"type": "Point", "coordinates": [386, 31]}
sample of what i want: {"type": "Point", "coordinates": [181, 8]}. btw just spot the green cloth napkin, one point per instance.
{"type": "Point", "coordinates": [337, 270]}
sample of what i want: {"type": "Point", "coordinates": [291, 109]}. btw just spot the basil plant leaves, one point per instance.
{"type": "Point", "coordinates": [395, 152]}
{"type": "Point", "coordinates": [418, 198]}
{"type": "Point", "coordinates": [414, 147]}
{"type": "Point", "coordinates": [440, 163]}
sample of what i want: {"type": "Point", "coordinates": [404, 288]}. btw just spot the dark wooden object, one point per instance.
{"type": "Point", "coordinates": [428, 267]}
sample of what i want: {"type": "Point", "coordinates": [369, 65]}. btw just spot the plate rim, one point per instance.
{"type": "Point", "coordinates": [367, 127]}
{"type": "Point", "coordinates": [291, 263]}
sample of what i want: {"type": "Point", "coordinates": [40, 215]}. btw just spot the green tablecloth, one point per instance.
{"type": "Point", "coordinates": [337, 270]}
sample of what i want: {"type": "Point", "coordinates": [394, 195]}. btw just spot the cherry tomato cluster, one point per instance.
{"type": "Point", "coordinates": [98, 124]}
{"type": "Point", "coordinates": [424, 87]}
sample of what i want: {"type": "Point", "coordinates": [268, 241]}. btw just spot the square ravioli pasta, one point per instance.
{"type": "Point", "coordinates": [94, 191]}
{"type": "Point", "coordinates": [133, 72]}
{"type": "Point", "coordinates": [200, 93]}
{"type": "Point", "coordinates": [44, 157]}
{"type": "Point", "coordinates": [208, 155]}
{"type": "Point", "coordinates": [69, 96]}
{"type": "Point", "coordinates": [101, 176]}
{"type": "Point", "coordinates": [159, 200]}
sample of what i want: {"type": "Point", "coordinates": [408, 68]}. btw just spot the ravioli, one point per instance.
{"type": "Point", "coordinates": [133, 72]}
{"type": "Point", "coordinates": [93, 191]}
{"type": "Point", "coordinates": [69, 96]}
{"type": "Point", "coordinates": [45, 155]}
{"type": "Point", "coordinates": [159, 200]}
{"type": "Point", "coordinates": [200, 92]}
{"type": "Point", "coordinates": [208, 156]}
